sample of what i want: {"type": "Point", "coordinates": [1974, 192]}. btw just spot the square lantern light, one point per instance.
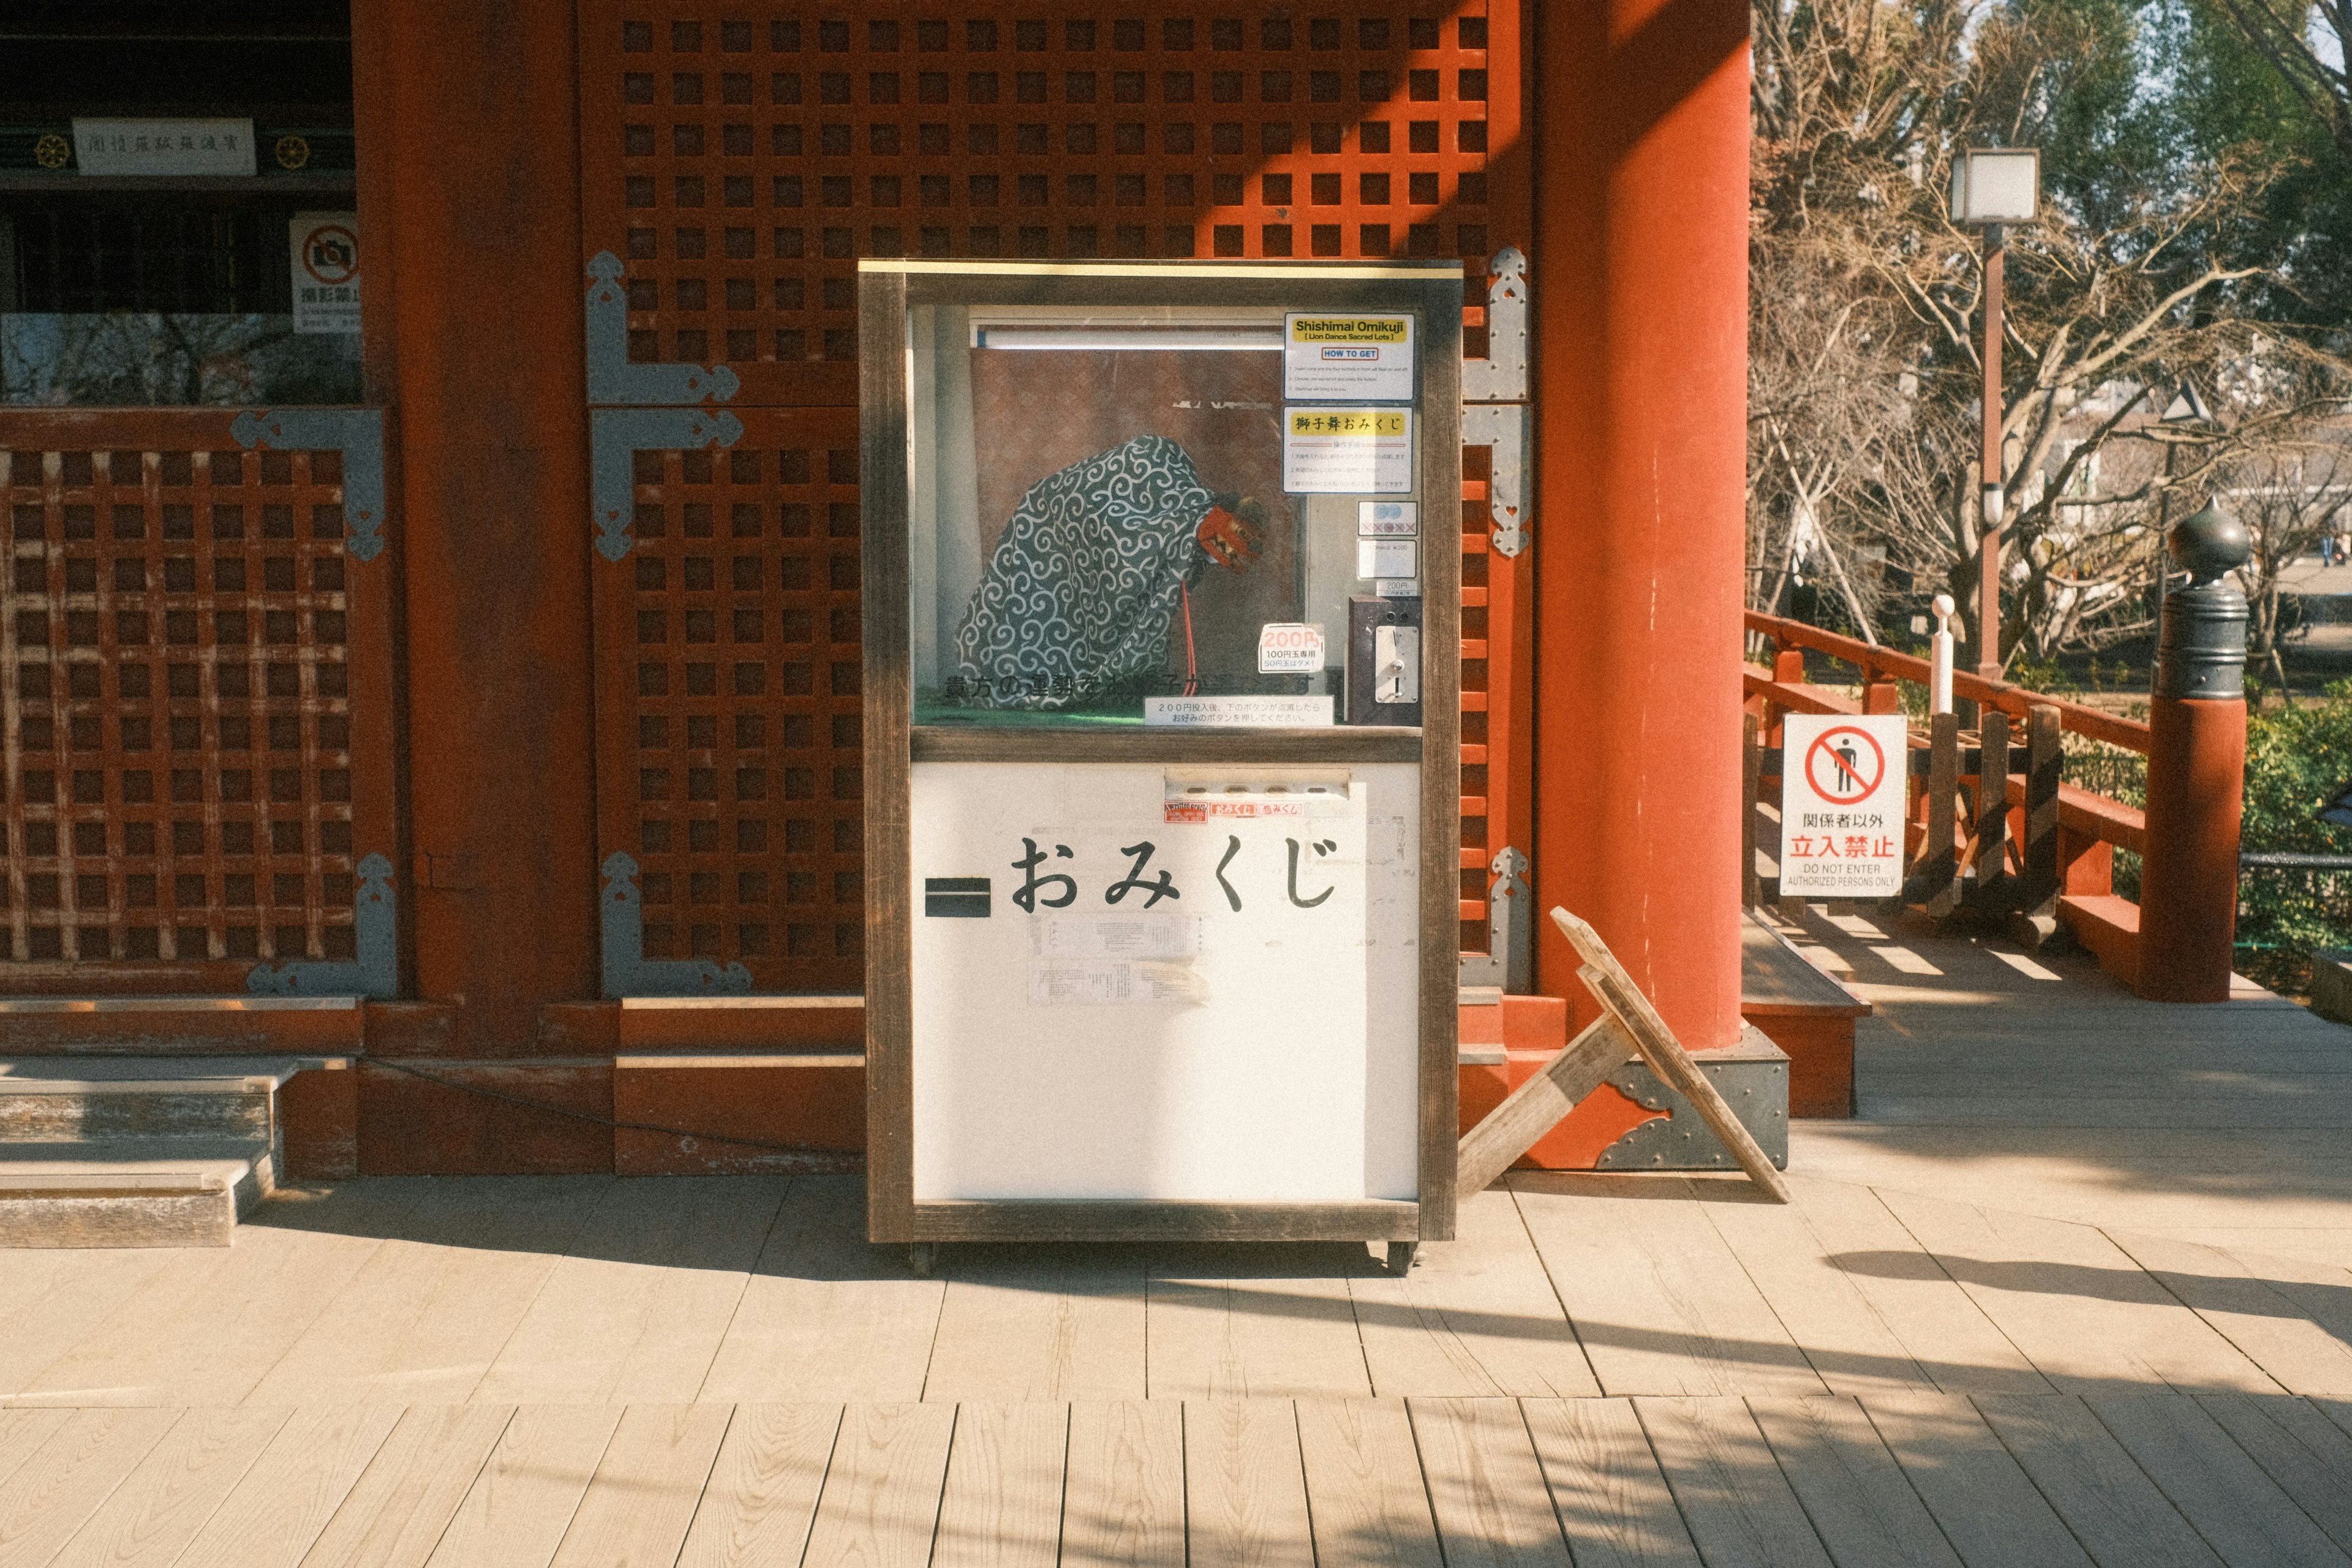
{"type": "Point", "coordinates": [1997, 185]}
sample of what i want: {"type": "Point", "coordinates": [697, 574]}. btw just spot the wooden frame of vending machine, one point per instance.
{"type": "Point", "coordinates": [890, 293]}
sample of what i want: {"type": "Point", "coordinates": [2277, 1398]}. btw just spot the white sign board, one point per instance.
{"type": "Point", "coordinates": [158, 146]}
{"type": "Point", "coordinates": [1388, 519]}
{"type": "Point", "coordinates": [1347, 451]}
{"type": "Point", "coordinates": [1843, 783]}
{"type": "Point", "coordinates": [326, 257]}
{"type": "Point", "coordinates": [1328, 355]}
{"type": "Point", "coordinates": [1165, 984]}
{"type": "Point", "coordinates": [1289, 647]}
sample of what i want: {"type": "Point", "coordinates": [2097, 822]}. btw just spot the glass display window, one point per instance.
{"type": "Point", "coordinates": [1163, 510]}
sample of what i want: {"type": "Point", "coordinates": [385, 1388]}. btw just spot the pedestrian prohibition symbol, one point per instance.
{"type": "Point", "coordinates": [1844, 765]}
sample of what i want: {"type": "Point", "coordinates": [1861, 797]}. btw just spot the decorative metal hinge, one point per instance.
{"type": "Point", "coordinates": [357, 434]}
{"type": "Point", "coordinates": [628, 971]}
{"type": "Point", "coordinates": [614, 437]}
{"type": "Point", "coordinates": [1509, 960]}
{"type": "Point", "coordinates": [612, 379]}
{"type": "Point", "coordinates": [1494, 411]}
{"type": "Point", "coordinates": [373, 972]}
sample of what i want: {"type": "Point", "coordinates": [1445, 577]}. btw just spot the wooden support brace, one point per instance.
{"type": "Point", "coordinates": [1536, 1105]}
{"type": "Point", "coordinates": [2044, 766]}
{"type": "Point", "coordinates": [1615, 990]}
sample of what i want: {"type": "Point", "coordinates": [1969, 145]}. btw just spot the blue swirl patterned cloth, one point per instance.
{"type": "Point", "coordinates": [1079, 598]}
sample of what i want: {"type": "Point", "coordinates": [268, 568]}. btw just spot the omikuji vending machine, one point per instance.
{"type": "Point", "coordinates": [1162, 586]}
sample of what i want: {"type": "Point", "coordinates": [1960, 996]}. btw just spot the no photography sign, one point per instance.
{"type": "Point", "coordinates": [1841, 793]}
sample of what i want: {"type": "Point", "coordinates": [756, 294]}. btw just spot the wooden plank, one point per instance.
{"type": "Point", "coordinates": [1849, 1343]}
{"type": "Point", "coordinates": [1486, 1484]}
{"type": "Point", "coordinates": [24, 1433]}
{"type": "Point", "coordinates": [881, 1503]}
{"type": "Point", "coordinates": [646, 1487]}
{"type": "Point", "coordinates": [2087, 1316]}
{"type": "Point", "coordinates": [1751, 797]}
{"type": "Point", "coordinates": [2038, 850]}
{"type": "Point", "coordinates": [422, 1320]}
{"type": "Point", "coordinates": [635, 1314]}
{"type": "Point", "coordinates": [826, 1316]}
{"type": "Point", "coordinates": [294, 1487]}
{"type": "Point", "coordinates": [1660, 1302]}
{"type": "Point", "coordinates": [1612, 1500]}
{"type": "Point", "coordinates": [54, 1491]}
{"type": "Point", "coordinates": [1939, 863]}
{"type": "Point", "coordinates": [1123, 1501]}
{"type": "Point", "coordinates": [1339, 743]}
{"type": "Point", "coordinates": [1987, 1508]}
{"type": "Point", "coordinates": [762, 1496]}
{"type": "Point", "coordinates": [1024, 1324]}
{"type": "Point", "coordinates": [1735, 1501]}
{"type": "Point", "coordinates": [2112, 1507]}
{"type": "Point", "coordinates": [1945, 1333]}
{"type": "Point", "coordinates": [1475, 1318]}
{"type": "Point", "coordinates": [2240, 1511]}
{"type": "Point", "coordinates": [2307, 1455]}
{"type": "Point", "coordinates": [49, 1300]}
{"type": "Point", "coordinates": [2252, 1311]}
{"type": "Point", "coordinates": [887, 683]}
{"type": "Point", "coordinates": [1537, 1106]}
{"type": "Point", "coordinates": [1003, 1503]}
{"type": "Point", "coordinates": [152, 1517]}
{"type": "Point", "coordinates": [1614, 989]}
{"type": "Point", "coordinates": [1244, 1491]}
{"type": "Point", "coordinates": [1365, 1495]}
{"type": "Point", "coordinates": [516, 1512]}
{"type": "Point", "coordinates": [1244, 1323]}
{"type": "Point", "coordinates": [204, 1330]}
{"type": "Point", "coordinates": [1991, 857]}
{"type": "Point", "coordinates": [395, 1516]}
{"type": "Point", "coordinates": [1855, 1494]}
{"type": "Point", "coordinates": [1165, 1220]}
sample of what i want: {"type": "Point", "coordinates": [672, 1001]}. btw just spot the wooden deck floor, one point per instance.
{"type": "Point", "coordinates": [2017, 1315]}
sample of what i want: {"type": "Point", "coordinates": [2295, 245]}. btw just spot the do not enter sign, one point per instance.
{"type": "Point", "coordinates": [1842, 794]}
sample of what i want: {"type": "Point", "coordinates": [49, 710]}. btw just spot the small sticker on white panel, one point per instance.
{"type": "Point", "coordinates": [1387, 558]}
{"type": "Point", "coordinates": [1289, 647]}
{"type": "Point", "coordinates": [1388, 519]}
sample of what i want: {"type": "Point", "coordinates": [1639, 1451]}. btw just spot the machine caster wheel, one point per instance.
{"type": "Point", "coordinates": [923, 1257]}
{"type": "Point", "coordinates": [1402, 1255]}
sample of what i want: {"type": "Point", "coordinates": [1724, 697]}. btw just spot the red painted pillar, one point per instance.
{"type": "Point", "coordinates": [468, 192]}
{"type": "Point", "coordinates": [1640, 290]}
{"type": "Point", "coordinates": [2188, 878]}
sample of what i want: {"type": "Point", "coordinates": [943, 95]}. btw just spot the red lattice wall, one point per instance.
{"type": "Point", "coordinates": [193, 704]}
{"type": "Point", "coordinates": [740, 158]}
{"type": "Point", "coordinates": [736, 666]}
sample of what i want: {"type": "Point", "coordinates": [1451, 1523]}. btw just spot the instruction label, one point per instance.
{"type": "Point", "coordinates": [1289, 647]}
{"type": "Point", "coordinates": [1843, 781]}
{"type": "Point", "coordinates": [1387, 558]}
{"type": "Point", "coordinates": [1347, 451]}
{"type": "Point", "coordinates": [1342, 355]}
{"type": "Point", "coordinates": [1388, 519]}
{"type": "Point", "coordinates": [1238, 712]}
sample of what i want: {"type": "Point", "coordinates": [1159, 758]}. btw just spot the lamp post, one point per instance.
{"type": "Point", "coordinates": [1992, 187]}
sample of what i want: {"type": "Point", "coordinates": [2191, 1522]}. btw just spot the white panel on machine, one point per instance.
{"type": "Point", "coordinates": [1133, 981]}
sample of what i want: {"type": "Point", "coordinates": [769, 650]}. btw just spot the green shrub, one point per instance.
{"type": "Point", "coordinates": [2297, 757]}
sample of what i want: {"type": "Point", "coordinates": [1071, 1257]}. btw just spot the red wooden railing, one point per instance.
{"type": "Point", "coordinates": [2074, 885]}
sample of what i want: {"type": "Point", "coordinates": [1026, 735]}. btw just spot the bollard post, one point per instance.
{"type": "Point", "coordinates": [2195, 770]}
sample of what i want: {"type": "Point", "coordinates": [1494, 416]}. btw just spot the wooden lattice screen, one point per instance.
{"type": "Point", "coordinates": [740, 158]}
{"type": "Point", "coordinates": [193, 704]}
